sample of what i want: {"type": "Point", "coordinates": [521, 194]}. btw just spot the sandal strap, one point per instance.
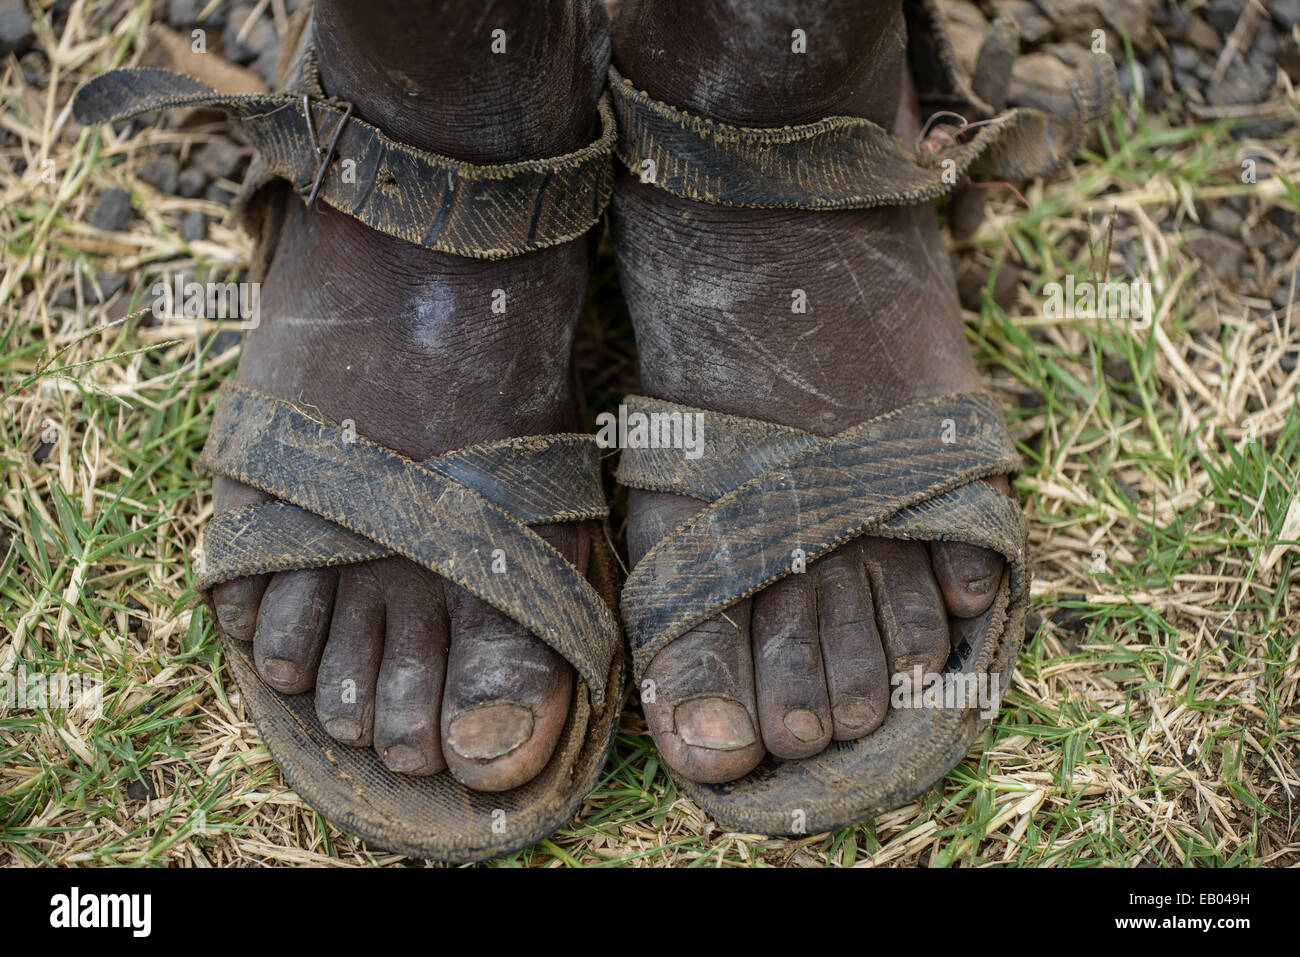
{"type": "Point", "coordinates": [342, 498]}
{"type": "Point", "coordinates": [781, 497]}
{"type": "Point", "coordinates": [846, 162]}
{"type": "Point", "coordinates": [482, 211]}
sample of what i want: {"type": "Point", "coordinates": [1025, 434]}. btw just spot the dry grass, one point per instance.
{"type": "Point", "coordinates": [1153, 716]}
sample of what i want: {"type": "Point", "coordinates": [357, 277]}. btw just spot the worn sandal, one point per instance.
{"type": "Point", "coordinates": [343, 499]}
{"type": "Point", "coordinates": [779, 497]}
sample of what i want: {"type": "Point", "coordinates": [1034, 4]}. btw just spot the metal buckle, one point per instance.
{"type": "Point", "coordinates": [323, 154]}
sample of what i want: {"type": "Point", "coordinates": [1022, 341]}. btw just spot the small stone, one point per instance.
{"type": "Point", "coordinates": [36, 68]}
{"type": "Point", "coordinates": [1224, 219]}
{"type": "Point", "coordinates": [192, 182]}
{"type": "Point", "coordinates": [42, 452]}
{"type": "Point", "coordinates": [185, 13]}
{"type": "Point", "coordinates": [1033, 621]}
{"type": "Point", "coordinates": [137, 790]}
{"type": "Point", "coordinates": [1070, 619]}
{"type": "Point", "coordinates": [1286, 13]}
{"type": "Point", "coordinates": [1223, 257]}
{"type": "Point", "coordinates": [219, 194]}
{"type": "Point", "coordinates": [1243, 84]}
{"type": "Point", "coordinates": [162, 174]}
{"type": "Point", "coordinates": [15, 27]}
{"type": "Point", "coordinates": [220, 159]}
{"type": "Point", "coordinates": [194, 227]}
{"type": "Point", "coordinates": [1183, 57]}
{"type": "Point", "coordinates": [260, 37]}
{"type": "Point", "coordinates": [1224, 14]}
{"type": "Point", "coordinates": [113, 211]}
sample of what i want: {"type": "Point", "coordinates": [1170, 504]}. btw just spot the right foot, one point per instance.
{"type": "Point", "coordinates": [404, 342]}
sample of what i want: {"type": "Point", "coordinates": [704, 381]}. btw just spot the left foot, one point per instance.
{"type": "Point", "coordinates": [807, 659]}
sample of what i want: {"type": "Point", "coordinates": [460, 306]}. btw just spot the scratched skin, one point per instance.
{"type": "Point", "coordinates": [806, 660]}
{"type": "Point", "coordinates": [404, 342]}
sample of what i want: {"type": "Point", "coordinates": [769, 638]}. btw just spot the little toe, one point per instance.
{"type": "Point", "coordinates": [968, 576]}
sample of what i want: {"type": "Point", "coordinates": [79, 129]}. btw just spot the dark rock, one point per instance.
{"type": "Point", "coordinates": [219, 194]}
{"type": "Point", "coordinates": [108, 287]}
{"type": "Point", "coordinates": [259, 38]}
{"type": "Point", "coordinates": [1033, 621]}
{"type": "Point", "coordinates": [182, 14]}
{"type": "Point", "coordinates": [15, 27]}
{"type": "Point", "coordinates": [1183, 57]}
{"type": "Point", "coordinates": [162, 174]}
{"type": "Point", "coordinates": [1243, 83]}
{"type": "Point", "coordinates": [1285, 12]}
{"type": "Point", "coordinates": [1133, 76]}
{"type": "Point", "coordinates": [220, 159]}
{"type": "Point", "coordinates": [1287, 362]}
{"type": "Point", "coordinates": [192, 182]}
{"type": "Point", "coordinates": [194, 226]}
{"type": "Point", "coordinates": [1224, 14]}
{"type": "Point", "coordinates": [1223, 257]}
{"type": "Point", "coordinates": [1284, 219]}
{"type": "Point", "coordinates": [137, 790]}
{"type": "Point", "coordinates": [36, 68]}
{"type": "Point", "coordinates": [1070, 619]}
{"type": "Point", "coordinates": [1224, 219]}
{"type": "Point", "coordinates": [113, 211]}
{"type": "Point", "coordinates": [42, 452]}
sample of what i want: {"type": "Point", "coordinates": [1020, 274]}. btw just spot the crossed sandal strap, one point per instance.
{"type": "Point", "coordinates": [463, 515]}
{"type": "Point", "coordinates": [482, 211]}
{"type": "Point", "coordinates": [780, 498]}
{"type": "Point", "coordinates": [846, 162]}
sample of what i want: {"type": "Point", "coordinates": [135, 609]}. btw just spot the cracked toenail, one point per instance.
{"type": "Point", "coordinates": [980, 586]}
{"type": "Point", "coordinates": [489, 732]}
{"type": "Point", "coordinates": [854, 713]}
{"type": "Point", "coordinates": [343, 729]}
{"type": "Point", "coordinates": [715, 723]}
{"type": "Point", "coordinates": [803, 724]}
{"type": "Point", "coordinates": [280, 670]}
{"type": "Point", "coordinates": [401, 758]}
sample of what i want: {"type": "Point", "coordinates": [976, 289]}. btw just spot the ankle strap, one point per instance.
{"type": "Point", "coordinates": [482, 211]}
{"type": "Point", "coordinates": [846, 162]}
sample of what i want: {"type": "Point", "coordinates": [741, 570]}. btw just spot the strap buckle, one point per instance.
{"type": "Point", "coordinates": [323, 153]}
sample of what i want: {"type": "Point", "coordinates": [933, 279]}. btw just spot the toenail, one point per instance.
{"type": "Point", "coordinates": [854, 713]}
{"type": "Point", "coordinates": [715, 723]}
{"type": "Point", "coordinates": [487, 733]}
{"type": "Point", "coordinates": [228, 613]}
{"type": "Point", "coordinates": [343, 729]}
{"type": "Point", "coordinates": [803, 724]}
{"type": "Point", "coordinates": [403, 759]}
{"type": "Point", "coordinates": [280, 670]}
{"type": "Point", "coordinates": [980, 586]}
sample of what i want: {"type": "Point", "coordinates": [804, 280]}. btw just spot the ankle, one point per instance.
{"type": "Point", "coordinates": [747, 73]}
{"type": "Point", "coordinates": [431, 78]}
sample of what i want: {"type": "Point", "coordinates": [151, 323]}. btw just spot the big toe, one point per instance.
{"type": "Point", "coordinates": [506, 698]}
{"type": "Point", "coordinates": [698, 698]}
